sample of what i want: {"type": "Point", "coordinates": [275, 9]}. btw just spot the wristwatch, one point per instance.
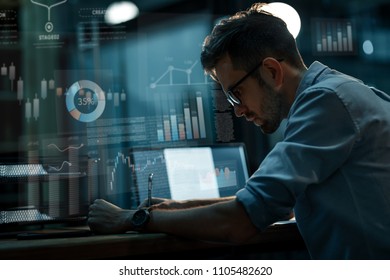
{"type": "Point", "coordinates": [140, 218]}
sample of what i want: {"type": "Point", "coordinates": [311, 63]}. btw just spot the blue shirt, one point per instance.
{"type": "Point", "coordinates": [332, 168]}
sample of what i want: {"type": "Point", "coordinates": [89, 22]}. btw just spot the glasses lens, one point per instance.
{"type": "Point", "coordinates": [232, 99]}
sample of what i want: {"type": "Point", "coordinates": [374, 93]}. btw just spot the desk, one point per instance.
{"type": "Point", "coordinates": [279, 237]}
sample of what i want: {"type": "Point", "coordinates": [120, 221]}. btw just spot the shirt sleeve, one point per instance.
{"type": "Point", "coordinates": [319, 136]}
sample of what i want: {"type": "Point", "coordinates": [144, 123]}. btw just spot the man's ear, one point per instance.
{"type": "Point", "coordinates": [272, 72]}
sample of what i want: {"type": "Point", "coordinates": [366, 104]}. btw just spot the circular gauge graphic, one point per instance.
{"type": "Point", "coordinates": [85, 101]}
{"type": "Point", "coordinates": [49, 27]}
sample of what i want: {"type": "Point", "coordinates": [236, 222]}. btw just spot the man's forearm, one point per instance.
{"type": "Point", "coordinates": [225, 220]}
{"type": "Point", "coordinates": [185, 204]}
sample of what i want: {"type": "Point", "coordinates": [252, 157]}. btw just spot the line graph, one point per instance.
{"type": "Point", "coordinates": [170, 73]}
{"type": "Point", "coordinates": [64, 158]}
{"type": "Point", "coordinates": [67, 148]}
{"type": "Point", "coordinates": [53, 168]}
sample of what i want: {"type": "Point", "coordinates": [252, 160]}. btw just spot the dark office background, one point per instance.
{"type": "Point", "coordinates": [171, 31]}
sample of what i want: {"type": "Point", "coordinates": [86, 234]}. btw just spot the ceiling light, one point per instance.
{"type": "Point", "coordinates": [288, 14]}
{"type": "Point", "coordinates": [119, 12]}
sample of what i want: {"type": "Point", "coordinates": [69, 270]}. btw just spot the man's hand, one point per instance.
{"type": "Point", "coordinates": [105, 218]}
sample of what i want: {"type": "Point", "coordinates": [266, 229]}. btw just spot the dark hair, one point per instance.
{"type": "Point", "coordinates": [248, 37]}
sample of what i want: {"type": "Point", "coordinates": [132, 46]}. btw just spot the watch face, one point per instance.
{"type": "Point", "coordinates": [140, 218]}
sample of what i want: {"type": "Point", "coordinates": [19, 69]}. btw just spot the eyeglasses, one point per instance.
{"type": "Point", "coordinates": [233, 100]}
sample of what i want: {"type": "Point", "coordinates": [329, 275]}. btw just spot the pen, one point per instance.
{"type": "Point", "coordinates": [150, 186]}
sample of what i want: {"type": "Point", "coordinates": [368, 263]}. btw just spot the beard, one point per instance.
{"type": "Point", "coordinates": [272, 109]}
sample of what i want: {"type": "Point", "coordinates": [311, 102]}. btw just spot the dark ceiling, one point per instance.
{"type": "Point", "coordinates": [306, 8]}
{"type": "Point", "coordinates": [153, 5]}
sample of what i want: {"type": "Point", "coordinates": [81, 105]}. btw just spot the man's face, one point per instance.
{"type": "Point", "coordinates": [259, 102]}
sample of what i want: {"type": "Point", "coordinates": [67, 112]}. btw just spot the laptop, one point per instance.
{"type": "Point", "coordinates": [191, 172]}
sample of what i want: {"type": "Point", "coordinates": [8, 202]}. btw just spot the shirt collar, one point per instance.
{"type": "Point", "coordinates": [311, 76]}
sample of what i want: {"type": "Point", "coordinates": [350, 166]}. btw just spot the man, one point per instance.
{"type": "Point", "coordinates": [332, 168]}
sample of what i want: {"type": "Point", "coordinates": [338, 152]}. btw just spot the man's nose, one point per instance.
{"type": "Point", "coordinates": [239, 110]}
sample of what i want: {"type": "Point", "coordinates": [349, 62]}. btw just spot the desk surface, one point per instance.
{"type": "Point", "coordinates": [143, 246]}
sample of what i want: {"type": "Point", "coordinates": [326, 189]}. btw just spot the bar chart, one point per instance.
{"type": "Point", "coordinates": [180, 117]}
{"type": "Point", "coordinates": [181, 104]}
{"type": "Point", "coordinates": [333, 36]}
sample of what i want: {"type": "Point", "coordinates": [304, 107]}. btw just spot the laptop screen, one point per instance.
{"type": "Point", "coordinates": [191, 172]}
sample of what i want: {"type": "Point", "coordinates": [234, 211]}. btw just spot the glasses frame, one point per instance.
{"type": "Point", "coordinates": [231, 98]}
